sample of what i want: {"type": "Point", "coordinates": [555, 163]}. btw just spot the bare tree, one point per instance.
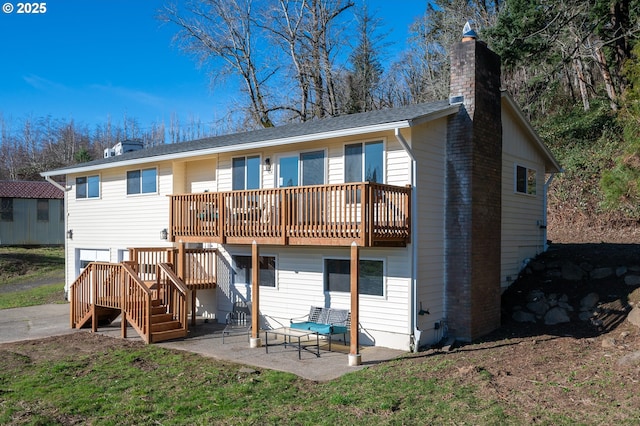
{"type": "Point", "coordinates": [308, 34]}
{"type": "Point", "coordinates": [224, 30]}
{"type": "Point", "coordinates": [424, 68]}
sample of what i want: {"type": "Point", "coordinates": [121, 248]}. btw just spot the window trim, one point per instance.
{"type": "Point", "coordinates": [246, 170]}
{"type": "Point", "coordinates": [527, 170]}
{"type": "Point", "coordinates": [275, 269]}
{"type": "Point", "coordinates": [300, 166]}
{"type": "Point", "coordinates": [87, 197]}
{"type": "Point", "coordinates": [360, 294]}
{"type": "Point", "coordinates": [141, 193]}
{"type": "Point", "coordinates": [363, 143]}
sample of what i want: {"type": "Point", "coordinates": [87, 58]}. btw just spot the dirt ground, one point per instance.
{"type": "Point", "coordinates": [588, 371]}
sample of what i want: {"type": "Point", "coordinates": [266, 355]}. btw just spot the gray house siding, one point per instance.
{"type": "Point", "coordinates": [27, 229]}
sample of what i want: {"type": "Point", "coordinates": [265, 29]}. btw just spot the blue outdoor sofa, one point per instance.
{"type": "Point", "coordinates": [325, 321]}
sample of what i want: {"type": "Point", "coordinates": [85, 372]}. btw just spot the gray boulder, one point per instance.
{"type": "Point", "coordinates": [556, 315]}
{"type": "Point", "coordinates": [632, 280]}
{"type": "Point", "coordinates": [600, 273]}
{"type": "Point", "coordinates": [634, 316]}
{"type": "Point", "coordinates": [589, 301]}
{"type": "Point", "coordinates": [572, 272]}
{"type": "Point", "coordinates": [539, 307]}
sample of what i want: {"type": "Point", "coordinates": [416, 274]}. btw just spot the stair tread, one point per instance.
{"type": "Point", "coordinates": [165, 326]}
{"type": "Point", "coordinates": [168, 335]}
{"type": "Point", "coordinates": [158, 318]}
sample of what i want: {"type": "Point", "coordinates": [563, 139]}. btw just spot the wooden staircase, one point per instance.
{"type": "Point", "coordinates": [104, 291]}
{"type": "Point", "coordinates": [163, 325]}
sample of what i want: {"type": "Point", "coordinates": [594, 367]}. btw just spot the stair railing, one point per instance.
{"type": "Point", "coordinates": [80, 297]}
{"type": "Point", "coordinates": [172, 292]}
{"type": "Point", "coordinates": [136, 302]}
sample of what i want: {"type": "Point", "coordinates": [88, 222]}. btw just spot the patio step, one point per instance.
{"type": "Point", "coordinates": [161, 336]}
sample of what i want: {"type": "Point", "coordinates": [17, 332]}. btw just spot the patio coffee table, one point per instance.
{"type": "Point", "coordinates": [289, 334]}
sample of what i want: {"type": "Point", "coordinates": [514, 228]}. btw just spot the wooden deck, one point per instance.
{"type": "Point", "coordinates": [368, 214]}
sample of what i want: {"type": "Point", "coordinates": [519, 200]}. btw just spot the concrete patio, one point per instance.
{"type": "Point", "coordinates": [205, 339]}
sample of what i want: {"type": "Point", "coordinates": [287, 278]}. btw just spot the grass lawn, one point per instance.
{"type": "Point", "coordinates": [146, 385]}
{"type": "Point", "coordinates": [31, 276]}
{"type": "Point", "coordinates": [87, 378]}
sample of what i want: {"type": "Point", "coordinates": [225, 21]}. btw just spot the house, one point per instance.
{"type": "Point", "coordinates": [415, 219]}
{"type": "Point", "coordinates": [31, 213]}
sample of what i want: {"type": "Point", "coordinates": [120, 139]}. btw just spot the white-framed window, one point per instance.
{"type": "Point", "coordinates": [305, 168]}
{"type": "Point", "coordinates": [86, 256]}
{"type": "Point", "coordinates": [337, 276]}
{"type": "Point", "coordinates": [242, 270]}
{"type": "Point", "coordinates": [364, 162]}
{"type": "Point", "coordinates": [88, 187]}
{"type": "Point", "coordinates": [245, 173]}
{"type": "Point", "coordinates": [525, 180]}
{"type": "Point", "coordinates": [143, 181]}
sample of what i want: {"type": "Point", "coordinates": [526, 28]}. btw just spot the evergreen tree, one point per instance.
{"type": "Point", "coordinates": [366, 69]}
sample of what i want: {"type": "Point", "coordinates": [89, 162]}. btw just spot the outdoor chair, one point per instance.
{"type": "Point", "coordinates": [238, 321]}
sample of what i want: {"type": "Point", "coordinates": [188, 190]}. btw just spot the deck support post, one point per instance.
{"type": "Point", "coordinates": [123, 324]}
{"type": "Point", "coordinates": [354, 356]}
{"type": "Point", "coordinates": [254, 341]}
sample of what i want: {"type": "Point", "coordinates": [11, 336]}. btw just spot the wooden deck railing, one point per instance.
{"type": "Point", "coordinates": [197, 269]}
{"type": "Point", "coordinates": [370, 214]}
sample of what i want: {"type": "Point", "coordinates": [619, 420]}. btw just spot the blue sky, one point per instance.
{"type": "Point", "coordinates": [90, 59]}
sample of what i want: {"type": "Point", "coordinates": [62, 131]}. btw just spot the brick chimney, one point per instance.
{"type": "Point", "coordinates": [474, 202]}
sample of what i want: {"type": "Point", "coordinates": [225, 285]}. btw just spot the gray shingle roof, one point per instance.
{"type": "Point", "coordinates": [331, 124]}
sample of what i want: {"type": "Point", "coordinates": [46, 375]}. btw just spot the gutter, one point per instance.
{"type": "Point", "coordinates": [56, 184]}
{"type": "Point", "coordinates": [416, 332]}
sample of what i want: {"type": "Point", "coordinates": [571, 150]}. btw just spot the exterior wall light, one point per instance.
{"type": "Point", "coordinates": [164, 234]}
{"type": "Point", "coordinates": [267, 164]}
{"type": "Point", "coordinates": [70, 234]}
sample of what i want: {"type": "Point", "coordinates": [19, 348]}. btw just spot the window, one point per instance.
{"type": "Point", "coordinates": [525, 180]}
{"type": "Point", "coordinates": [43, 210]}
{"type": "Point", "coordinates": [141, 181]}
{"type": "Point", "coordinates": [6, 209]}
{"type": "Point", "coordinates": [88, 187]}
{"type": "Point", "coordinates": [242, 270]}
{"type": "Point", "coordinates": [337, 276]}
{"type": "Point", "coordinates": [363, 162]}
{"type": "Point", "coordinates": [306, 168]}
{"type": "Point", "coordinates": [245, 173]}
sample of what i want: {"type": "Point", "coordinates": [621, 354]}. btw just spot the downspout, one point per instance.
{"type": "Point", "coordinates": [544, 211]}
{"type": "Point", "coordinates": [414, 242]}
{"type": "Point", "coordinates": [64, 189]}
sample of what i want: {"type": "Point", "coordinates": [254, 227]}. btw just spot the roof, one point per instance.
{"type": "Point", "coordinates": [29, 189]}
{"type": "Point", "coordinates": [352, 124]}
{"type": "Point", "coordinates": [345, 125]}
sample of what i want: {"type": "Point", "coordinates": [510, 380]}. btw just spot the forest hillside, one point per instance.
{"type": "Point", "coordinates": [572, 66]}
